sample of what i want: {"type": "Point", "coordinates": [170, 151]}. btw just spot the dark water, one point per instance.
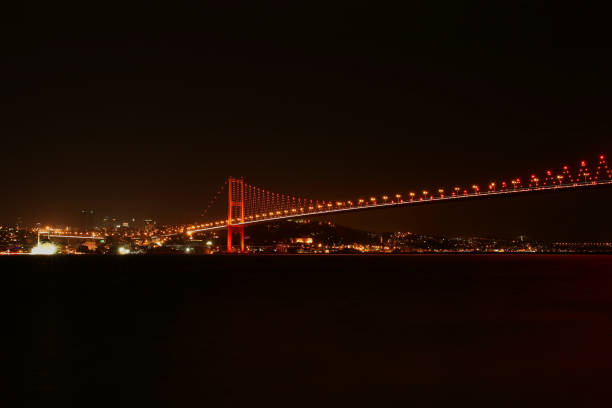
{"type": "Point", "coordinates": [314, 331]}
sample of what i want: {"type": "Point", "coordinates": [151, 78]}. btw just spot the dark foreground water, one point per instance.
{"type": "Point", "coordinates": [313, 331]}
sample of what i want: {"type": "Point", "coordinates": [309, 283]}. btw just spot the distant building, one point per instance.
{"type": "Point", "coordinates": [149, 225]}
{"type": "Point", "coordinates": [87, 220]}
{"type": "Point", "coordinates": [106, 223]}
{"type": "Point", "coordinates": [90, 245]}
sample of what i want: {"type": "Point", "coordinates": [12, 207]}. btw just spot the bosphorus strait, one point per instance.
{"type": "Point", "coordinates": [299, 330]}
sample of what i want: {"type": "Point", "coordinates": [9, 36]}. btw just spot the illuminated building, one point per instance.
{"type": "Point", "coordinates": [302, 240]}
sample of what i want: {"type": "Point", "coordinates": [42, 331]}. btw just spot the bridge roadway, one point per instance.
{"type": "Point", "coordinates": [493, 193]}
{"type": "Point", "coordinates": [56, 235]}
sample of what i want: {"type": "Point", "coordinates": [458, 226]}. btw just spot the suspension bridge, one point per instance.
{"type": "Point", "coordinates": [248, 204]}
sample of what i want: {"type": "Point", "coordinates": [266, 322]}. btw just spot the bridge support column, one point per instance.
{"type": "Point", "coordinates": [230, 230]}
{"type": "Point", "coordinates": [235, 211]}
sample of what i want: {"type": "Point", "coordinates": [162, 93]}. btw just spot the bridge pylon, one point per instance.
{"type": "Point", "coordinates": [235, 211]}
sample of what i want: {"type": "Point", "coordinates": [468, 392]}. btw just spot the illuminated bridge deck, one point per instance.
{"type": "Point", "coordinates": [287, 214]}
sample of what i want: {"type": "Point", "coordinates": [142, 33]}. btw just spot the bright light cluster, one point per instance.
{"type": "Point", "coordinates": [46, 248]}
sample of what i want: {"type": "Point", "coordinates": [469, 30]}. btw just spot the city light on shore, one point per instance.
{"type": "Point", "coordinates": [46, 248]}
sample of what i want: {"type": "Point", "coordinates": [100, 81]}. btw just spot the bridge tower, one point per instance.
{"type": "Point", "coordinates": [235, 211]}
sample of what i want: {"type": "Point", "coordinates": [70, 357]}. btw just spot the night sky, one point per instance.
{"type": "Point", "coordinates": [143, 112]}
